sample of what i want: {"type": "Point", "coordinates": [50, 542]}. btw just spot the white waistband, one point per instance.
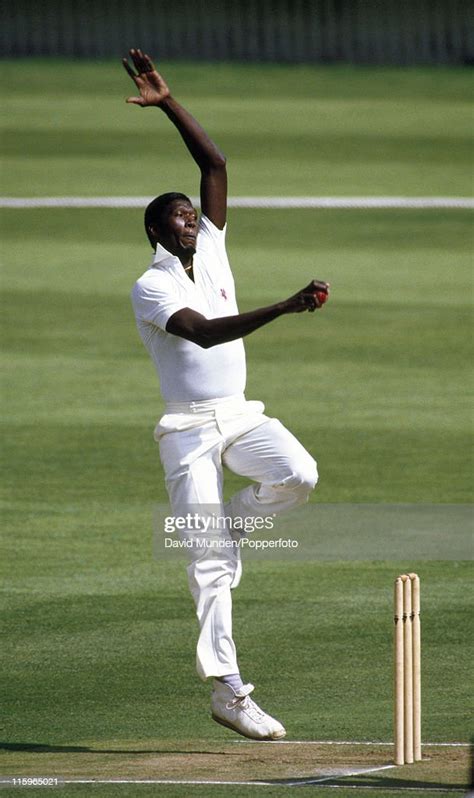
{"type": "Point", "coordinates": [203, 405]}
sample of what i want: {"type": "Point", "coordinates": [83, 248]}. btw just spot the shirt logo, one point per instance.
{"type": "Point", "coordinates": [223, 293]}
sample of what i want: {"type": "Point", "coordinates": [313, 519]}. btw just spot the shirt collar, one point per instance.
{"type": "Point", "coordinates": [162, 257]}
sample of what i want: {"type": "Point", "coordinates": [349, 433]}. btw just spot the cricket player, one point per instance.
{"type": "Point", "coordinates": [187, 317]}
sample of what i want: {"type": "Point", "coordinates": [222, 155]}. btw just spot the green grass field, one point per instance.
{"type": "Point", "coordinates": [99, 637]}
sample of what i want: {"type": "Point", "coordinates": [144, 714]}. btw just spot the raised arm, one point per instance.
{"type": "Point", "coordinates": [211, 162]}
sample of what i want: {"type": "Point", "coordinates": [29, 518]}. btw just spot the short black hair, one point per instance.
{"type": "Point", "coordinates": [156, 210]}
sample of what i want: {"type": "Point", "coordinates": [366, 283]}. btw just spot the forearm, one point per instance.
{"type": "Point", "coordinates": [206, 154]}
{"type": "Point", "coordinates": [207, 333]}
{"type": "Point", "coordinates": [229, 328]}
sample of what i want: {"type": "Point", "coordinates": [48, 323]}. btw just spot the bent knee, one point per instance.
{"type": "Point", "coordinates": [304, 477]}
{"type": "Point", "coordinates": [313, 476]}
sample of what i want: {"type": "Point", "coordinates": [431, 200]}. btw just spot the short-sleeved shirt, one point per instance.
{"type": "Point", "coordinates": [186, 371]}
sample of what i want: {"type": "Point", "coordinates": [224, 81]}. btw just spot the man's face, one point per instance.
{"type": "Point", "coordinates": [178, 230]}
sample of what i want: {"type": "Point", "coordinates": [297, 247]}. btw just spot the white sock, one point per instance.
{"type": "Point", "coordinates": [234, 680]}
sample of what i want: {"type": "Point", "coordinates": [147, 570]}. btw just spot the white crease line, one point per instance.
{"type": "Point", "coordinates": [393, 788]}
{"type": "Point", "coordinates": [324, 785]}
{"type": "Point", "coordinates": [246, 202]}
{"type": "Point", "coordinates": [398, 788]}
{"type": "Point", "coordinates": [344, 742]}
{"type": "Point", "coordinates": [320, 783]}
{"type": "Point", "coordinates": [337, 776]}
{"type": "Point", "coordinates": [169, 781]}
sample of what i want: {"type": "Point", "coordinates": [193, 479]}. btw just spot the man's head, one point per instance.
{"type": "Point", "coordinates": [172, 221]}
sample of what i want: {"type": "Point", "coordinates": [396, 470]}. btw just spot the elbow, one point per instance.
{"type": "Point", "coordinates": [218, 163]}
{"type": "Point", "coordinates": [204, 341]}
{"type": "Point", "coordinates": [192, 327]}
{"type": "Point", "coordinates": [204, 337]}
{"type": "Point", "coordinates": [203, 333]}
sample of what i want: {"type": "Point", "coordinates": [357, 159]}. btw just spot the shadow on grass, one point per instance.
{"type": "Point", "coordinates": [41, 748]}
{"type": "Point", "coordinates": [373, 783]}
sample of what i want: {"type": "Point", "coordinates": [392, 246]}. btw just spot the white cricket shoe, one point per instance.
{"type": "Point", "coordinates": [238, 712]}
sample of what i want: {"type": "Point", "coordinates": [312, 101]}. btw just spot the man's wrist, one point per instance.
{"type": "Point", "coordinates": [166, 103]}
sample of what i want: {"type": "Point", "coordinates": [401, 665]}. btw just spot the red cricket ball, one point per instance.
{"type": "Point", "coordinates": [322, 296]}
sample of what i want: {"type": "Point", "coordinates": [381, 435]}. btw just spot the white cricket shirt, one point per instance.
{"type": "Point", "coordinates": [186, 371]}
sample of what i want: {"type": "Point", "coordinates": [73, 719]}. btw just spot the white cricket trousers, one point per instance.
{"type": "Point", "coordinates": [195, 440]}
